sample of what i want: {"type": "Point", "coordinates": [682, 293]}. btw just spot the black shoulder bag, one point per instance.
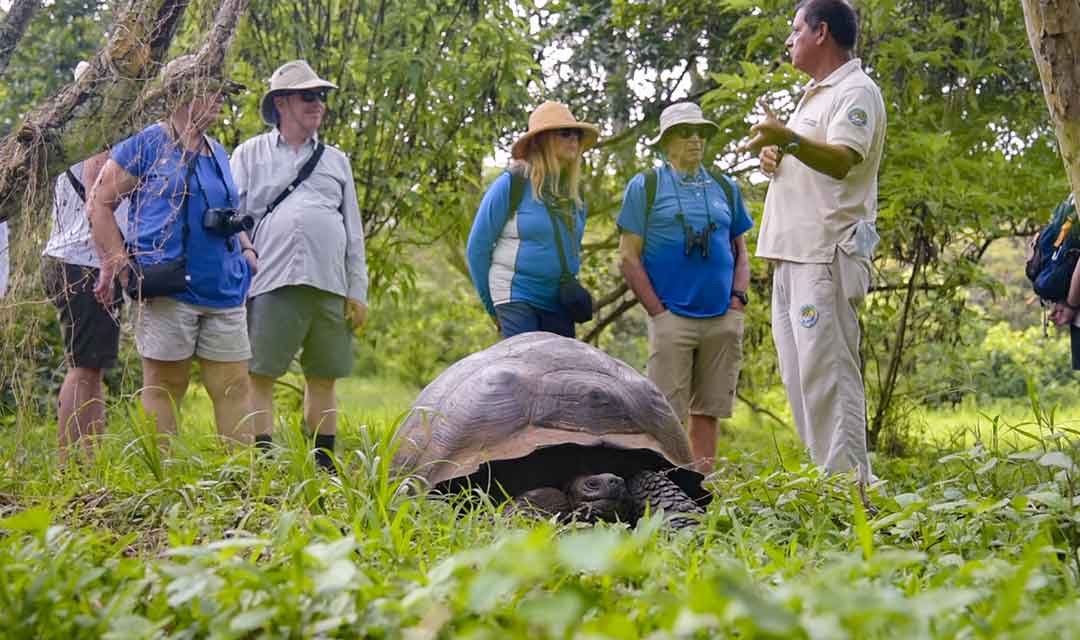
{"type": "Point", "coordinates": [304, 174]}
{"type": "Point", "coordinates": [164, 278]}
{"type": "Point", "coordinates": [574, 298]}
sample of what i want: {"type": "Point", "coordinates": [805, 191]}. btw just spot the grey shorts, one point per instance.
{"type": "Point", "coordinates": [294, 318]}
{"type": "Point", "coordinates": [171, 331]}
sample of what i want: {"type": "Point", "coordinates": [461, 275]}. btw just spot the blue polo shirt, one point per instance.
{"type": "Point", "coordinates": [219, 274]}
{"type": "Point", "coordinates": [691, 286]}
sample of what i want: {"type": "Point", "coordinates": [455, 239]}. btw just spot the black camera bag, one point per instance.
{"type": "Point", "coordinates": [158, 279]}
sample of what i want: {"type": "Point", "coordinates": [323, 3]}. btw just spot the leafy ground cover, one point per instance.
{"type": "Point", "coordinates": [978, 541]}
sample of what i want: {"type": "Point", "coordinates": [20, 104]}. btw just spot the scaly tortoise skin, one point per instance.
{"type": "Point", "coordinates": [535, 417]}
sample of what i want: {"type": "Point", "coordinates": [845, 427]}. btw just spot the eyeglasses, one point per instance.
{"type": "Point", "coordinates": [703, 131]}
{"type": "Point", "coordinates": [569, 133]}
{"type": "Point", "coordinates": [311, 95]}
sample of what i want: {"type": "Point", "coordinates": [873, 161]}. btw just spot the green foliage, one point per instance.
{"type": "Point", "coordinates": [978, 542]}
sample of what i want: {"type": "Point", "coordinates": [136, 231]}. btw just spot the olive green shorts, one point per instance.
{"type": "Point", "coordinates": [299, 318]}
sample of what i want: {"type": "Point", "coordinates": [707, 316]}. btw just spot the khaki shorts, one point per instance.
{"type": "Point", "coordinates": [695, 361]}
{"type": "Point", "coordinates": [171, 331]}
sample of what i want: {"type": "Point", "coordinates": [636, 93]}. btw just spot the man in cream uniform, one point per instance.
{"type": "Point", "coordinates": [818, 229]}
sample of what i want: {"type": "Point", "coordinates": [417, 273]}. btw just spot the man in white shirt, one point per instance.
{"type": "Point", "coordinates": [311, 287]}
{"type": "Point", "coordinates": [818, 229]}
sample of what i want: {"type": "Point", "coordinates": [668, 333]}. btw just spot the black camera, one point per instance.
{"type": "Point", "coordinates": [227, 221]}
{"type": "Point", "coordinates": [699, 239]}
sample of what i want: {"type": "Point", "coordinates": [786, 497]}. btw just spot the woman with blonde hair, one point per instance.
{"type": "Point", "coordinates": [525, 242]}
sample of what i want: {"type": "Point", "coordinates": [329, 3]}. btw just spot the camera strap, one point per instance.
{"type": "Point", "coordinates": [304, 174]}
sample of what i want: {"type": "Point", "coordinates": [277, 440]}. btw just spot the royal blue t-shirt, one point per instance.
{"type": "Point", "coordinates": [691, 286]}
{"type": "Point", "coordinates": [219, 274]}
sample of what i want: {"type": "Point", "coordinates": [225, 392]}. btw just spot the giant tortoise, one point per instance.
{"type": "Point", "coordinates": [557, 425]}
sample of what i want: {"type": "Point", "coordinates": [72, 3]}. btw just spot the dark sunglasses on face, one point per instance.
{"type": "Point", "coordinates": [569, 133]}
{"type": "Point", "coordinates": [311, 95]}
{"type": "Point", "coordinates": [686, 130]}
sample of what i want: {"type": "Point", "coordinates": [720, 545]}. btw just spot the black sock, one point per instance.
{"type": "Point", "coordinates": [324, 446]}
{"type": "Point", "coordinates": [264, 441]}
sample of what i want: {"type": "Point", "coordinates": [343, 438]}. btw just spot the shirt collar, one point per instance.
{"type": "Point", "coordinates": [686, 177]}
{"type": "Point", "coordinates": [838, 74]}
{"type": "Point", "coordinates": [279, 140]}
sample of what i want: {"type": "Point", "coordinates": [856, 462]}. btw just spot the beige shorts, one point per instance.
{"type": "Point", "coordinates": [170, 330]}
{"type": "Point", "coordinates": [695, 361]}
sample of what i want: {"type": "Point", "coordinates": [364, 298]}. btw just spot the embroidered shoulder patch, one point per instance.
{"type": "Point", "coordinates": [808, 315]}
{"type": "Point", "coordinates": [858, 117]}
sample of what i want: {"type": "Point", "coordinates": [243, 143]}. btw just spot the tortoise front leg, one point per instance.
{"type": "Point", "coordinates": [543, 503]}
{"type": "Point", "coordinates": [654, 491]}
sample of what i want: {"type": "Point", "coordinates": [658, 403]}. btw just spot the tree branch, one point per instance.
{"type": "Point", "coordinates": [13, 28]}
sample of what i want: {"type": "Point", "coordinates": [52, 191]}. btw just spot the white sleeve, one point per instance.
{"type": "Point", "coordinates": [854, 120]}
{"type": "Point", "coordinates": [4, 259]}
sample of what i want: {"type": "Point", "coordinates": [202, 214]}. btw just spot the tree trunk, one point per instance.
{"type": "Point", "coordinates": [13, 28]}
{"type": "Point", "coordinates": [1053, 28]}
{"type": "Point", "coordinates": [109, 102]}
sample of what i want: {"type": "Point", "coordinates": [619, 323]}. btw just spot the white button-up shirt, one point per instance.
{"type": "Point", "coordinates": [315, 236]}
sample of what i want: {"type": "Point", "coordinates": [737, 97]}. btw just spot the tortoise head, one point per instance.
{"type": "Point", "coordinates": [602, 496]}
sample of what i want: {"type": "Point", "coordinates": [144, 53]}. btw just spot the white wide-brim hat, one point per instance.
{"type": "Point", "coordinates": [680, 113]}
{"type": "Point", "coordinates": [296, 75]}
{"type": "Point", "coordinates": [549, 116]}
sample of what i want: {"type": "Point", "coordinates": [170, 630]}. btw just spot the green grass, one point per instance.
{"type": "Point", "coordinates": [979, 542]}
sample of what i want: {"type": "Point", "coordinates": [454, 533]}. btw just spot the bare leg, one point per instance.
{"type": "Point", "coordinates": [164, 386]}
{"type": "Point", "coordinates": [81, 409]}
{"type": "Point", "coordinates": [262, 404]}
{"type": "Point", "coordinates": [320, 406]}
{"type": "Point", "coordinates": [227, 384]}
{"type": "Point", "coordinates": [703, 431]}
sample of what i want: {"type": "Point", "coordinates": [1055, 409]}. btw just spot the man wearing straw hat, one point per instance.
{"type": "Point", "coordinates": [310, 292]}
{"type": "Point", "coordinates": [684, 255]}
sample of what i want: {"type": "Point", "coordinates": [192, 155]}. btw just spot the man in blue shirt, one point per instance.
{"type": "Point", "coordinates": [684, 256]}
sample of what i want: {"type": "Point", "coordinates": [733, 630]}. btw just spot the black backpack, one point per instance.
{"type": "Point", "coordinates": [1054, 253]}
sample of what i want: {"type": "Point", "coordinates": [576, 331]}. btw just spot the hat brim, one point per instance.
{"type": "Point", "coordinates": [589, 135]}
{"type": "Point", "coordinates": [654, 141]}
{"type": "Point", "coordinates": [266, 105]}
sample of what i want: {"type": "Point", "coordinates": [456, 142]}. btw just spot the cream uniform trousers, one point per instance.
{"type": "Point", "coordinates": [815, 325]}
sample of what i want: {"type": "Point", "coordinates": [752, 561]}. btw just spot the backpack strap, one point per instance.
{"type": "Point", "coordinates": [80, 190]}
{"type": "Point", "coordinates": [652, 178]}
{"type": "Point", "coordinates": [517, 190]}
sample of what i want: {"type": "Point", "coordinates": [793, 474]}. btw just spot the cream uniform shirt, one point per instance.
{"type": "Point", "coordinates": [809, 214]}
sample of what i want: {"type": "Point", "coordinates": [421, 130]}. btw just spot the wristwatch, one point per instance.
{"type": "Point", "coordinates": [740, 296]}
{"type": "Point", "coordinates": [792, 145]}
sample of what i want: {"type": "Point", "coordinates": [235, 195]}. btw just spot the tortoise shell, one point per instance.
{"type": "Point", "coordinates": [536, 410]}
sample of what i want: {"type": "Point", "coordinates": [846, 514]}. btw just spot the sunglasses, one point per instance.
{"type": "Point", "coordinates": [686, 130]}
{"type": "Point", "coordinates": [569, 133]}
{"type": "Point", "coordinates": [311, 95]}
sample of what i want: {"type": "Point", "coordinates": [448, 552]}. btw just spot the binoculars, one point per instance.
{"type": "Point", "coordinates": [696, 239]}
{"type": "Point", "coordinates": [227, 221]}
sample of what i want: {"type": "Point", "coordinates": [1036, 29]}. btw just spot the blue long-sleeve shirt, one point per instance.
{"type": "Point", "coordinates": [513, 256]}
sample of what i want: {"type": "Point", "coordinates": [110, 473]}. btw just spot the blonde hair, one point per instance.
{"type": "Point", "coordinates": [543, 170]}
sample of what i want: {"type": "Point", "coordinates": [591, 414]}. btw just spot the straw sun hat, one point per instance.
{"type": "Point", "coordinates": [549, 116]}
{"type": "Point", "coordinates": [296, 75]}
